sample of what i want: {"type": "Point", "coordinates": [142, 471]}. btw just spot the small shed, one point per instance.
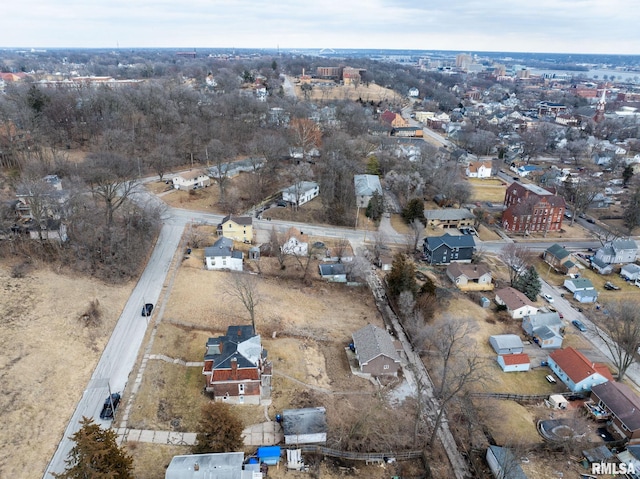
{"type": "Point", "coordinates": [506, 344]}
{"type": "Point", "coordinates": [586, 296]}
{"type": "Point", "coordinates": [269, 455]}
{"type": "Point", "coordinates": [254, 253]}
{"type": "Point", "coordinates": [558, 401]}
{"type": "Point", "coordinates": [485, 302]}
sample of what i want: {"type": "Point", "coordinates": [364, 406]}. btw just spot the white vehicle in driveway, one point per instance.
{"type": "Point", "coordinates": [548, 297]}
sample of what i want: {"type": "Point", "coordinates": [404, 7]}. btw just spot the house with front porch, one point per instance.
{"type": "Point", "coordinates": [576, 371]}
{"type": "Point", "coordinates": [449, 218]}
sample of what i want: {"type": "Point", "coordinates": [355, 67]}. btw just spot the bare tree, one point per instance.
{"type": "Point", "coordinates": [620, 332]}
{"type": "Point", "coordinates": [517, 258]}
{"type": "Point", "coordinates": [580, 195]}
{"type": "Point", "coordinates": [275, 248]}
{"type": "Point", "coordinates": [416, 232]}
{"type": "Point", "coordinates": [245, 288]}
{"type": "Point", "coordinates": [459, 364]}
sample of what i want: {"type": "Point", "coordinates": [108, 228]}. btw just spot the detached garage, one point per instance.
{"type": "Point", "coordinates": [511, 363]}
{"type": "Point", "coordinates": [506, 344]}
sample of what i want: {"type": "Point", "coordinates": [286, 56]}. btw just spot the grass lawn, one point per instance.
{"type": "Point", "coordinates": [492, 190]}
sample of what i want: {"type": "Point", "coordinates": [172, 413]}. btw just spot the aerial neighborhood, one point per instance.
{"type": "Point", "coordinates": [397, 265]}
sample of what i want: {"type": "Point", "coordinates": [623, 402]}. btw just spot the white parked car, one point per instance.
{"type": "Point", "coordinates": [548, 297]}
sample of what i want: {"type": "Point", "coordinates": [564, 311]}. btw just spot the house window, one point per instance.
{"type": "Point", "coordinates": [386, 366]}
{"type": "Point", "coordinates": [241, 388]}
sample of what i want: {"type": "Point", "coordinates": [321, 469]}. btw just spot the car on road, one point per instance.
{"type": "Point", "coordinates": [146, 309]}
{"type": "Point", "coordinates": [591, 220]}
{"type": "Point", "coordinates": [548, 297]}
{"type": "Point", "coordinates": [110, 405]}
{"type": "Point", "coordinates": [579, 324]}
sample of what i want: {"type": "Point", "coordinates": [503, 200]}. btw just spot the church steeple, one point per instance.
{"type": "Point", "coordinates": [602, 103]}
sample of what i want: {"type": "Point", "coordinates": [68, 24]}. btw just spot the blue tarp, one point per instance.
{"type": "Point", "coordinates": [270, 455]}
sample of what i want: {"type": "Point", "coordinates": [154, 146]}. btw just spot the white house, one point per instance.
{"type": "Point", "coordinates": [414, 92]}
{"type": "Point", "coordinates": [479, 169]}
{"type": "Point", "coordinates": [517, 304]}
{"type": "Point", "coordinates": [514, 362]}
{"type": "Point", "coordinates": [577, 372]}
{"type": "Point", "coordinates": [305, 426]}
{"type": "Point", "coordinates": [191, 180]}
{"type": "Point", "coordinates": [297, 244]}
{"type": "Point", "coordinates": [617, 252]}
{"type": "Point", "coordinates": [301, 192]}
{"type": "Point", "coordinates": [221, 256]}
{"type": "Point", "coordinates": [365, 186]}
{"type": "Point", "coordinates": [546, 329]}
{"type": "Point", "coordinates": [630, 272]}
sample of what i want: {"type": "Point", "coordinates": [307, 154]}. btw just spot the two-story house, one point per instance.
{"type": "Point", "coordinates": [531, 208]}
{"type": "Point", "coordinates": [622, 406]}
{"type": "Point", "coordinates": [235, 367]}
{"type": "Point", "coordinates": [479, 169]}
{"type": "Point", "coordinates": [191, 180]}
{"type": "Point", "coordinates": [620, 251]}
{"type": "Point", "coordinates": [221, 256]}
{"type": "Point", "coordinates": [447, 248]}
{"type": "Point", "coordinates": [365, 186]}
{"type": "Point", "coordinates": [300, 193]}
{"type": "Point", "coordinates": [449, 218]}
{"type": "Point", "coordinates": [559, 259]}
{"type": "Point", "coordinates": [237, 228]}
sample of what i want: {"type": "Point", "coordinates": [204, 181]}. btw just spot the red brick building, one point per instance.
{"type": "Point", "coordinates": [235, 367]}
{"type": "Point", "coordinates": [531, 208]}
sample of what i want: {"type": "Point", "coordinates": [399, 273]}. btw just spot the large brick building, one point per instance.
{"type": "Point", "coordinates": [531, 208]}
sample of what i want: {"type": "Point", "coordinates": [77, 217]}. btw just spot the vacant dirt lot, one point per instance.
{"type": "Point", "coordinates": [48, 357]}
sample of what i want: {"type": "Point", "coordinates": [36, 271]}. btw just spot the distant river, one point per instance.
{"type": "Point", "coordinates": [594, 74]}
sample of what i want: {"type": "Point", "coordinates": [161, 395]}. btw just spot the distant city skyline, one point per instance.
{"type": "Point", "coordinates": [553, 26]}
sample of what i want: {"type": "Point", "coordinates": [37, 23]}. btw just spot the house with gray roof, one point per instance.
{"type": "Point", "coordinates": [225, 465]}
{"type": "Point", "coordinates": [235, 368]}
{"type": "Point", "coordinates": [222, 256]}
{"type": "Point", "coordinates": [333, 272]}
{"type": "Point", "coordinates": [623, 407]}
{"type": "Point", "coordinates": [620, 251]}
{"type": "Point", "coordinates": [559, 259]}
{"type": "Point", "coordinates": [447, 248]}
{"type": "Point", "coordinates": [305, 426]}
{"type": "Point", "coordinates": [301, 192]}
{"type": "Point", "coordinates": [365, 186]}
{"type": "Point", "coordinates": [582, 289]}
{"type": "Point", "coordinates": [600, 266]}
{"type": "Point", "coordinates": [630, 272]}
{"type": "Point", "coordinates": [546, 329]}
{"type": "Point", "coordinates": [506, 343]}
{"type": "Point", "coordinates": [504, 464]}
{"type": "Point", "coordinates": [449, 218]}
{"type": "Point", "coordinates": [376, 352]}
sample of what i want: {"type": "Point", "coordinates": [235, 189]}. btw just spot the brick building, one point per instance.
{"type": "Point", "coordinates": [531, 208]}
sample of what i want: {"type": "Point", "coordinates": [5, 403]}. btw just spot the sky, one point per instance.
{"type": "Point", "coordinates": [554, 26]}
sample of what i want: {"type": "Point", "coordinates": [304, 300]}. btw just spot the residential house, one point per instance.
{"type": "Point", "coordinates": [623, 407]}
{"type": "Point", "coordinates": [407, 132]}
{"type": "Point", "coordinates": [297, 244]}
{"type": "Point", "coordinates": [237, 228]}
{"type": "Point", "coordinates": [470, 277]}
{"type": "Point", "coordinates": [504, 464]}
{"type": "Point", "coordinates": [414, 92]}
{"type": "Point", "coordinates": [600, 266]}
{"type": "Point", "coordinates": [231, 169]}
{"type": "Point", "coordinates": [392, 119]}
{"type": "Point", "coordinates": [630, 272]}
{"type": "Point", "coordinates": [300, 193]}
{"type": "Point", "coordinates": [365, 186]}
{"type": "Point", "coordinates": [446, 249]}
{"type": "Point", "coordinates": [577, 372]}
{"type": "Point", "coordinates": [506, 344]}
{"type": "Point", "coordinates": [619, 251]}
{"type": "Point", "coordinates": [305, 426]}
{"type": "Point", "coordinates": [39, 208]}
{"type": "Point", "coordinates": [449, 218]}
{"type": "Point", "coordinates": [511, 363]}
{"type": "Point", "coordinates": [223, 465]}
{"type": "Point", "coordinates": [376, 351]}
{"type": "Point", "coordinates": [582, 289]}
{"type": "Point", "coordinates": [479, 169]}
{"type": "Point", "coordinates": [235, 367]}
{"type": "Point", "coordinates": [559, 259]}
{"type": "Point", "coordinates": [517, 304]}
{"type": "Point", "coordinates": [333, 272]}
{"type": "Point", "coordinates": [530, 208]}
{"type": "Point", "coordinates": [221, 256]}
{"type": "Point", "coordinates": [191, 180]}
{"type": "Point", "coordinates": [546, 329]}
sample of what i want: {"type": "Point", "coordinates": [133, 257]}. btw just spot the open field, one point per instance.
{"type": "Point", "coordinates": [329, 90]}
{"type": "Point", "coordinates": [48, 357]}
{"type": "Point", "coordinates": [488, 189]}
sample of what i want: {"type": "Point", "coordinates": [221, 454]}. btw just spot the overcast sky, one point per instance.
{"type": "Point", "coordinates": [560, 26]}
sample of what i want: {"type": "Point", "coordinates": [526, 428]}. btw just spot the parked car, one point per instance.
{"type": "Point", "coordinates": [110, 405]}
{"type": "Point", "coordinates": [548, 297]}
{"type": "Point", "coordinates": [579, 324]}
{"type": "Point", "coordinates": [146, 309]}
{"type": "Point", "coordinates": [550, 378]}
{"type": "Point", "coordinates": [591, 220]}
{"type": "Point", "coordinates": [610, 286]}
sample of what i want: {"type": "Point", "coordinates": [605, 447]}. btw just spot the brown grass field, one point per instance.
{"type": "Point", "coordinates": [488, 189]}
{"type": "Point", "coordinates": [329, 90]}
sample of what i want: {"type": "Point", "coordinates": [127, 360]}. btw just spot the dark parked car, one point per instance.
{"type": "Point", "coordinates": [146, 309]}
{"type": "Point", "coordinates": [579, 324]}
{"type": "Point", "coordinates": [591, 220]}
{"type": "Point", "coordinates": [110, 405]}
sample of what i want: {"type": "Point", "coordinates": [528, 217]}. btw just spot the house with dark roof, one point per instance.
{"type": "Point", "coordinates": [235, 367]}
{"type": "Point", "coordinates": [376, 351]}
{"type": "Point", "coordinates": [546, 329]}
{"type": "Point", "coordinates": [447, 248]}
{"type": "Point", "coordinates": [470, 277]}
{"type": "Point", "coordinates": [222, 256]}
{"type": "Point", "coordinates": [559, 259]}
{"type": "Point", "coordinates": [333, 272]}
{"type": "Point", "coordinates": [576, 371]}
{"type": "Point", "coordinates": [530, 208]}
{"type": "Point", "coordinates": [305, 426]}
{"type": "Point", "coordinates": [517, 304]}
{"type": "Point", "coordinates": [449, 218]}
{"type": "Point", "coordinates": [620, 251]}
{"type": "Point", "coordinates": [600, 266]}
{"type": "Point", "coordinates": [623, 407]}
{"type": "Point", "coordinates": [238, 228]}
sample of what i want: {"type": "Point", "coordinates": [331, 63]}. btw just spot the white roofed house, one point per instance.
{"type": "Point", "coordinates": [191, 180]}
{"type": "Point", "coordinates": [300, 193]}
{"type": "Point", "coordinates": [365, 186]}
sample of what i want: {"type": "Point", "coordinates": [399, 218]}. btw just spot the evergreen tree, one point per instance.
{"type": "Point", "coordinates": [627, 174]}
{"type": "Point", "coordinates": [373, 166]}
{"type": "Point", "coordinates": [219, 430]}
{"type": "Point", "coordinates": [402, 276]}
{"type": "Point", "coordinates": [414, 210]}
{"type": "Point", "coordinates": [375, 208]}
{"type": "Point", "coordinates": [529, 283]}
{"type": "Point", "coordinates": [96, 455]}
